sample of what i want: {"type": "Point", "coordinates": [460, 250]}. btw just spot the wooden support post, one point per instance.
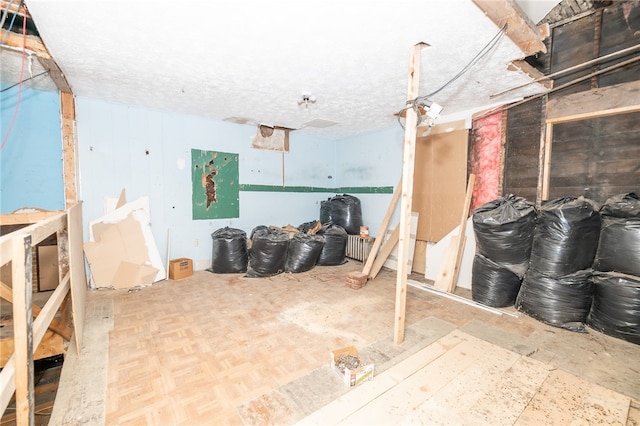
{"type": "Point", "coordinates": [407, 193]}
{"type": "Point", "coordinates": [385, 251]}
{"type": "Point", "coordinates": [68, 111]}
{"type": "Point", "coordinates": [23, 329]}
{"type": "Point", "coordinates": [546, 166]}
{"type": "Point", "coordinates": [383, 228]}
{"type": "Point", "coordinates": [542, 150]}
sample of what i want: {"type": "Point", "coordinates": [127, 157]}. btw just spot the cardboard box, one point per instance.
{"type": "Point", "coordinates": [355, 376]}
{"type": "Point", "coordinates": [180, 268]}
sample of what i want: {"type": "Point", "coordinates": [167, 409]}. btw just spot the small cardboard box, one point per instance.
{"type": "Point", "coordinates": [351, 377]}
{"type": "Point", "coordinates": [180, 268]}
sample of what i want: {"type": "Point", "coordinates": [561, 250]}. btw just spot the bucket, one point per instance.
{"type": "Point", "coordinates": [364, 232]}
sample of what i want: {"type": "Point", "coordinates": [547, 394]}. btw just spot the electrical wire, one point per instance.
{"type": "Point", "coordinates": [24, 54]}
{"type": "Point", "coordinates": [420, 101]}
{"type": "Point", "coordinates": [6, 36]}
{"type": "Point", "coordinates": [23, 81]}
{"type": "Point", "coordinates": [6, 13]}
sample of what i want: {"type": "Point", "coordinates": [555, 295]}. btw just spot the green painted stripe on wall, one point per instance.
{"type": "Point", "coordinates": [342, 190]}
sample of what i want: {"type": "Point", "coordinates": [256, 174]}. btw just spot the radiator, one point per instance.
{"type": "Point", "coordinates": [358, 248]}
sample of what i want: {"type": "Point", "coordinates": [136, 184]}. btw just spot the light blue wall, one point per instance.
{"type": "Point", "coordinates": [113, 141]}
{"type": "Point", "coordinates": [31, 159]}
{"type": "Point", "coordinates": [372, 159]}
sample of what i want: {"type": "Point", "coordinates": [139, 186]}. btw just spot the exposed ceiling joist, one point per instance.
{"type": "Point", "coordinates": [520, 29]}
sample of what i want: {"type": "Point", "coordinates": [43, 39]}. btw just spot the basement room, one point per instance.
{"type": "Point", "coordinates": [315, 213]}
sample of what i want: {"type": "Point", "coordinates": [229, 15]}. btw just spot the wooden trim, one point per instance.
{"type": "Point", "coordinates": [617, 99]}
{"type": "Point", "coordinates": [408, 160]}
{"type": "Point", "coordinates": [383, 228]}
{"type": "Point", "coordinates": [520, 29]}
{"type": "Point", "coordinates": [69, 148]}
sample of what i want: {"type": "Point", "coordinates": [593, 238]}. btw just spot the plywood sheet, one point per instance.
{"type": "Point", "coordinates": [440, 180]}
{"type": "Point", "coordinates": [77, 272]}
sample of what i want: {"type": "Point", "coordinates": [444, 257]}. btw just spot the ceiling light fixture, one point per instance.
{"type": "Point", "coordinates": [306, 99]}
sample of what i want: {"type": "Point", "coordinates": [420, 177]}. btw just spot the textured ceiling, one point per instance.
{"type": "Point", "coordinates": [250, 60]}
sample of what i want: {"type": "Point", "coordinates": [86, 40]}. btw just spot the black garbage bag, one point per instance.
{"type": "Point", "coordinates": [559, 301]}
{"type": "Point", "coordinates": [619, 245]}
{"type": "Point", "coordinates": [493, 285]}
{"type": "Point", "coordinates": [346, 211]}
{"type": "Point", "coordinates": [303, 252]}
{"type": "Point", "coordinates": [305, 227]}
{"type": "Point", "coordinates": [566, 236]}
{"type": "Point", "coordinates": [268, 252]}
{"type": "Point", "coordinates": [616, 306]}
{"type": "Point", "coordinates": [335, 245]}
{"type": "Point", "coordinates": [229, 253]}
{"type": "Point", "coordinates": [622, 205]}
{"type": "Point", "coordinates": [325, 211]}
{"type": "Point", "coordinates": [504, 232]}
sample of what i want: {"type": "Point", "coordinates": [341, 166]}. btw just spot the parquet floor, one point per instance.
{"type": "Point", "coordinates": [226, 350]}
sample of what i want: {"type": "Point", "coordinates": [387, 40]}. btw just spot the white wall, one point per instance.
{"type": "Point", "coordinates": [372, 160]}
{"type": "Point", "coordinates": [149, 153]}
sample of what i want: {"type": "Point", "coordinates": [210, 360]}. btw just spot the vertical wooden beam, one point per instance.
{"type": "Point", "coordinates": [408, 160]}
{"type": "Point", "coordinates": [546, 175]}
{"type": "Point", "coordinates": [69, 148]}
{"type": "Point", "coordinates": [541, 151]}
{"type": "Point", "coordinates": [23, 329]}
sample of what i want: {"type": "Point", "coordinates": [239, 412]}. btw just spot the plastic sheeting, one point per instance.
{"type": "Point", "coordinates": [559, 301]}
{"type": "Point", "coordinates": [619, 245]}
{"type": "Point", "coordinates": [343, 210]}
{"type": "Point", "coordinates": [268, 252]}
{"type": "Point", "coordinates": [229, 252]}
{"type": "Point", "coordinates": [566, 236]}
{"type": "Point", "coordinates": [492, 284]}
{"type": "Point", "coordinates": [335, 245]}
{"type": "Point", "coordinates": [303, 252]}
{"type": "Point", "coordinates": [504, 232]}
{"type": "Point", "coordinates": [616, 306]}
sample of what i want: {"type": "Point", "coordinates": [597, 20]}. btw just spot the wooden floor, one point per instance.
{"type": "Point", "coordinates": [224, 349]}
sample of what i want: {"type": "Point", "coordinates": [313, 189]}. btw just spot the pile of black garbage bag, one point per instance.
{"type": "Point", "coordinates": [569, 264]}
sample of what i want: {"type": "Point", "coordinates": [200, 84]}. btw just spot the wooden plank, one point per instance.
{"type": "Point", "coordinates": [520, 29]}
{"type": "Point", "coordinates": [22, 329]}
{"type": "Point", "coordinates": [7, 294]}
{"type": "Point", "coordinates": [56, 74]}
{"type": "Point", "coordinates": [566, 399]}
{"type": "Point", "coordinates": [546, 165]}
{"type": "Point", "coordinates": [31, 43]}
{"type": "Point", "coordinates": [27, 218]}
{"type": "Point", "coordinates": [408, 158]}
{"type": "Point", "coordinates": [600, 102]}
{"type": "Point", "coordinates": [69, 148]}
{"type": "Point", "coordinates": [385, 251]}
{"type": "Point", "coordinates": [77, 271]}
{"type": "Point", "coordinates": [383, 228]}
{"type": "Point", "coordinates": [39, 231]}
{"type": "Point", "coordinates": [339, 409]}
{"type": "Point", "coordinates": [52, 344]}
{"type": "Point", "coordinates": [446, 280]}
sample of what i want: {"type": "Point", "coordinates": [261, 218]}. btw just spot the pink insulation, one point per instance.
{"type": "Point", "coordinates": [486, 154]}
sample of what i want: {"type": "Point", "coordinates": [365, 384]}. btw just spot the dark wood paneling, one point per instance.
{"type": "Point", "coordinates": [522, 148]}
{"type": "Point", "coordinates": [619, 32]}
{"type": "Point", "coordinates": [596, 158]}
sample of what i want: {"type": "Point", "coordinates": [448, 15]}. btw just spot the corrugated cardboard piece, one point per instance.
{"type": "Point", "coordinates": [122, 252]}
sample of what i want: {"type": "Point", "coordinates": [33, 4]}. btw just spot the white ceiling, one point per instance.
{"type": "Point", "coordinates": [253, 59]}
